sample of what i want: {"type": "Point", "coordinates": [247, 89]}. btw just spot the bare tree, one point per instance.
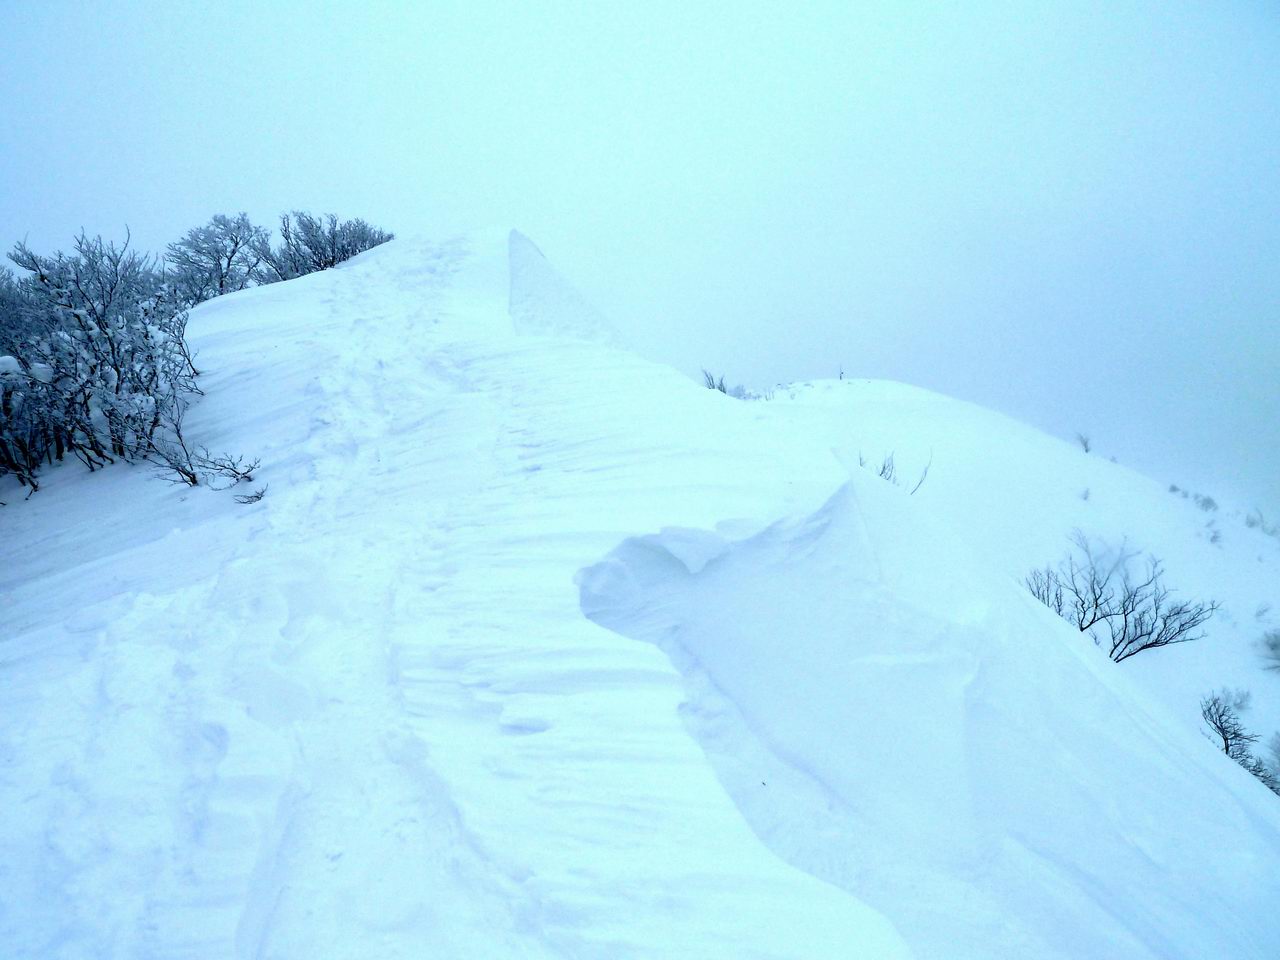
{"type": "Point", "coordinates": [1221, 714]}
{"type": "Point", "coordinates": [1147, 617]}
{"type": "Point", "coordinates": [1123, 612]}
{"type": "Point", "coordinates": [1046, 586]}
{"type": "Point", "coordinates": [1219, 711]}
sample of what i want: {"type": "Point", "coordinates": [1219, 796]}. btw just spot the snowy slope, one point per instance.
{"type": "Point", "coordinates": [398, 708]}
{"type": "Point", "coordinates": [892, 721]}
{"type": "Point", "coordinates": [1015, 495]}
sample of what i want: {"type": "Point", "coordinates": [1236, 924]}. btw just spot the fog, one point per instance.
{"type": "Point", "coordinates": [1070, 213]}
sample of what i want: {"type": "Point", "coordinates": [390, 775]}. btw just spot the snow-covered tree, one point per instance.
{"type": "Point", "coordinates": [95, 357]}
{"type": "Point", "coordinates": [93, 354]}
{"type": "Point", "coordinates": [30, 430]}
{"type": "Point", "coordinates": [310, 243]}
{"type": "Point", "coordinates": [218, 258]}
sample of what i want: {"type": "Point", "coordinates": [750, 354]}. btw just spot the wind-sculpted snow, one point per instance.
{"type": "Point", "coordinates": [543, 302]}
{"type": "Point", "coordinates": [929, 739]}
{"type": "Point", "coordinates": [366, 716]}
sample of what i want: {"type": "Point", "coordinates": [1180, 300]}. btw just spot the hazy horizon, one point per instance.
{"type": "Point", "coordinates": [1071, 216]}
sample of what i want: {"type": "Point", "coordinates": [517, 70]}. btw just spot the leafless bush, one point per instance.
{"type": "Point", "coordinates": [924, 475]}
{"type": "Point", "coordinates": [1122, 612]}
{"type": "Point", "coordinates": [739, 392]}
{"type": "Point", "coordinates": [181, 462]}
{"type": "Point", "coordinates": [888, 470]}
{"type": "Point", "coordinates": [1220, 712]}
{"type": "Point", "coordinates": [251, 497]}
{"type": "Point", "coordinates": [1046, 586]}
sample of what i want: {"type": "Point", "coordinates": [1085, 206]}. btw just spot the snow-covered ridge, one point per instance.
{"type": "Point", "coordinates": [933, 741]}
{"type": "Point", "coordinates": [375, 715]}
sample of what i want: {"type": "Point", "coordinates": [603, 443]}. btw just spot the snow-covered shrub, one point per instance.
{"type": "Point", "coordinates": [97, 340]}
{"type": "Point", "coordinates": [310, 243]}
{"type": "Point", "coordinates": [93, 354]}
{"type": "Point", "coordinates": [1123, 612]}
{"type": "Point", "coordinates": [30, 433]}
{"type": "Point", "coordinates": [218, 258]}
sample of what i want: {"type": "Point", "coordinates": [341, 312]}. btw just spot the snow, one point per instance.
{"type": "Point", "coordinates": [536, 649]}
{"type": "Point", "coordinates": [960, 761]}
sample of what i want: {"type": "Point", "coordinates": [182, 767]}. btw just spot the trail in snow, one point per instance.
{"type": "Point", "coordinates": [373, 721]}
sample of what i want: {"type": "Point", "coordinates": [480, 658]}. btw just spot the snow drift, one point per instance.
{"type": "Point", "coordinates": [375, 715]}
{"type": "Point", "coordinates": [932, 740]}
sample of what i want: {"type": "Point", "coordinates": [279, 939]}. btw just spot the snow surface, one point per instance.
{"type": "Point", "coordinates": [536, 649]}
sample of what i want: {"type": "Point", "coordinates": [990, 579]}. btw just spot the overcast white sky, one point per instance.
{"type": "Point", "coordinates": [1069, 212]}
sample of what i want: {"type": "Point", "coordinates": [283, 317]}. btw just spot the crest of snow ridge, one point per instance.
{"type": "Point", "coordinates": [544, 302]}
